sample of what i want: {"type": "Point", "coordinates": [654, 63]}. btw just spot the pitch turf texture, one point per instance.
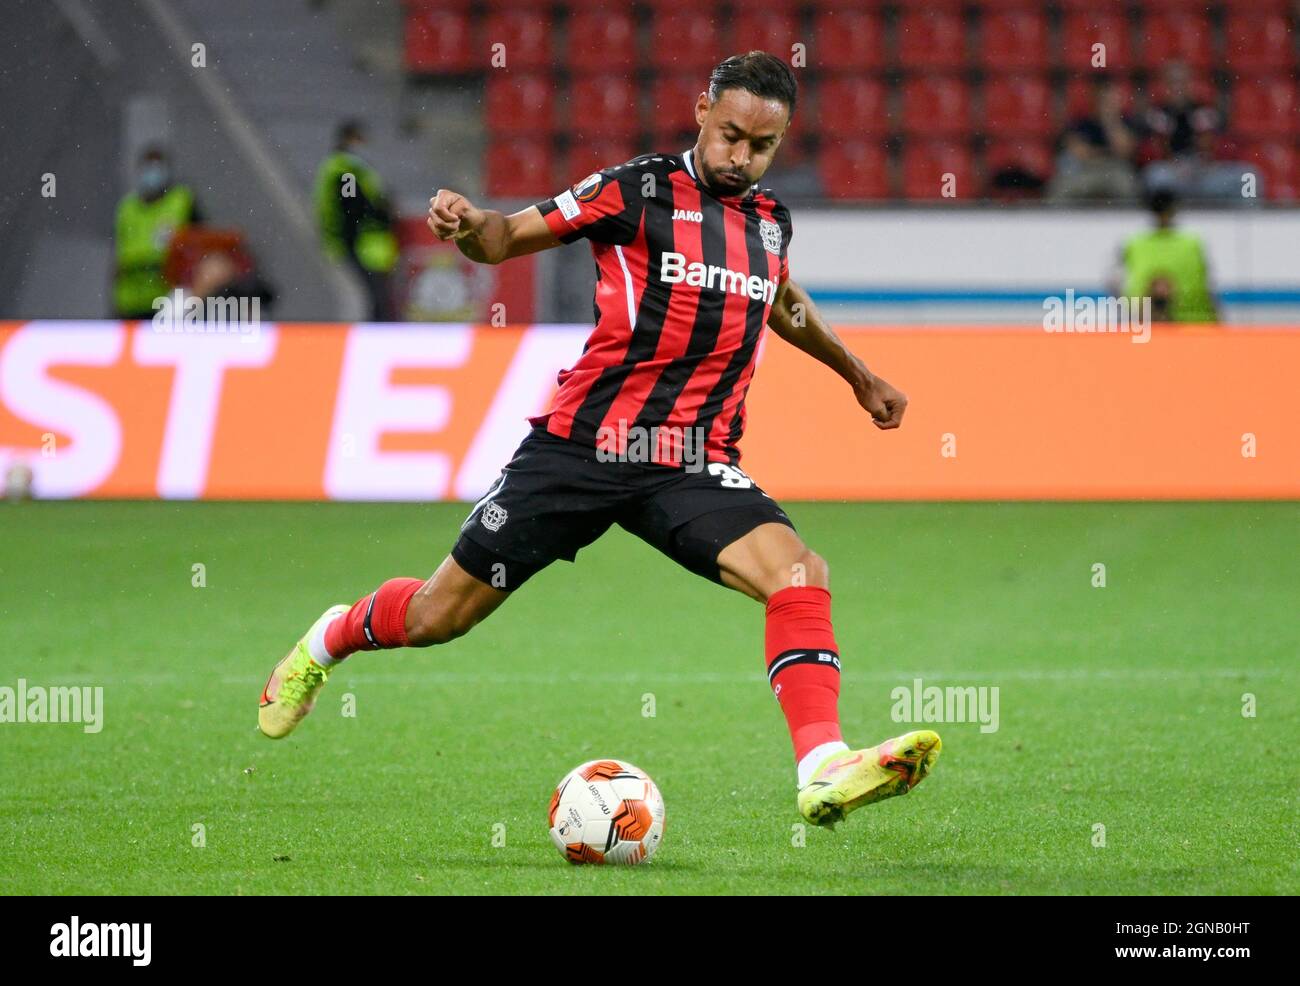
{"type": "Point", "coordinates": [1119, 706]}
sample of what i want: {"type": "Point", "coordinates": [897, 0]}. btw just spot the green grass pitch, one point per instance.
{"type": "Point", "coordinates": [1119, 706]}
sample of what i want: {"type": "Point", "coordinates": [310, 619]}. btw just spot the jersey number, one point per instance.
{"type": "Point", "coordinates": [732, 477]}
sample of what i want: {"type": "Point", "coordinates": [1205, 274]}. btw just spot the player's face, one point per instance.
{"type": "Point", "coordinates": [739, 135]}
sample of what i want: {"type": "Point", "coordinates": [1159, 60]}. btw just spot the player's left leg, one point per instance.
{"type": "Point", "coordinates": [772, 564]}
{"type": "Point", "coordinates": [719, 524]}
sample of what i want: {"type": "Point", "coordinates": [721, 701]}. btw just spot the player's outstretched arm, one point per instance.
{"type": "Point", "coordinates": [485, 235]}
{"type": "Point", "coordinates": [795, 319]}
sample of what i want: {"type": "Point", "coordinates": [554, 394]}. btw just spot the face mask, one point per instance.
{"type": "Point", "coordinates": [152, 180]}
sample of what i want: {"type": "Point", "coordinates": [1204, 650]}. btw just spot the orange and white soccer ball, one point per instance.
{"type": "Point", "coordinates": [607, 811]}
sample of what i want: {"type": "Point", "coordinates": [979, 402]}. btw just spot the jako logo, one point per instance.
{"type": "Point", "coordinates": [687, 216]}
{"type": "Point", "coordinates": [673, 269]}
{"type": "Point", "coordinates": [76, 940]}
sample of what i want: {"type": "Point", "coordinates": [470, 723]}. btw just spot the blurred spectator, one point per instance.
{"type": "Point", "coordinates": [216, 263]}
{"type": "Point", "coordinates": [146, 221]}
{"type": "Point", "coordinates": [355, 220]}
{"type": "Point", "coordinates": [1168, 266]}
{"type": "Point", "coordinates": [1096, 160]}
{"type": "Point", "coordinates": [1185, 138]}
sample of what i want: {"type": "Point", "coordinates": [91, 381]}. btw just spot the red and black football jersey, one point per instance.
{"type": "Point", "coordinates": [684, 283]}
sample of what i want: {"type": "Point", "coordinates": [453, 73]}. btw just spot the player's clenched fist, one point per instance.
{"type": "Point", "coordinates": [452, 216]}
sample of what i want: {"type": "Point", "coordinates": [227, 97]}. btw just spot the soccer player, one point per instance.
{"type": "Point", "coordinates": [643, 430]}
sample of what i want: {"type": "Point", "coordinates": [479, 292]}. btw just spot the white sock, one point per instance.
{"type": "Point", "coordinates": [814, 757]}
{"type": "Point", "coordinates": [316, 645]}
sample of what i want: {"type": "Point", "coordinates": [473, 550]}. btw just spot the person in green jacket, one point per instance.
{"type": "Point", "coordinates": [1168, 266]}
{"type": "Point", "coordinates": [356, 223]}
{"type": "Point", "coordinates": [147, 218]}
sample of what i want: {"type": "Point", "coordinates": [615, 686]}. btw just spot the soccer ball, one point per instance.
{"type": "Point", "coordinates": [607, 811]}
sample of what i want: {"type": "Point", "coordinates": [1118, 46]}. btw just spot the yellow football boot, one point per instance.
{"type": "Point", "coordinates": [847, 780]}
{"type": "Point", "coordinates": [291, 690]}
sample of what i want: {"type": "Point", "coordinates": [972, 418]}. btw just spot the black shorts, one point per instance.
{"type": "Point", "coordinates": [555, 497]}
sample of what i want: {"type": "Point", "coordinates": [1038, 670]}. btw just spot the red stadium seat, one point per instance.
{"type": "Point", "coordinates": [438, 40]}
{"type": "Point", "coordinates": [1094, 6]}
{"type": "Point", "coordinates": [937, 106]}
{"type": "Point", "coordinates": [1031, 154]}
{"type": "Point", "coordinates": [525, 35]}
{"type": "Point", "coordinates": [1257, 7]}
{"type": "Point", "coordinates": [1201, 86]}
{"type": "Point", "coordinates": [1080, 31]}
{"type": "Point", "coordinates": [599, 40]}
{"type": "Point", "coordinates": [605, 106]}
{"type": "Point", "coordinates": [1015, 40]}
{"type": "Point", "coordinates": [854, 169]}
{"type": "Point", "coordinates": [1078, 96]}
{"type": "Point", "coordinates": [591, 156]}
{"type": "Point", "coordinates": [1184, 37]}
{"type": "Point", "coordinates": [1279, 167]}
{"type": "Point", "coordinates": [670, 108]}
{"type": "Point", "coordinates": [768, 31]}
{"type": "Point", "coordinates": [847, 40]}
{"type": "Point", "coordinates": [927, 162]}
{"type": "Point", "coordinates": [851, 105]}
{"type": "Point", "coordinates": [874, 5]}
{"type": "Point", "coordinates": [1257, 42]}
{"type": "Point", "coordinates": [1016, 105]}
{"type": "Point", "coordinates": [519, 103]}
{"type": "Point", "coordinates": [519, 167]}
{"type": "Point", "coordinates": [930, 40]}
{"type": "Point", "coordinates": [1265, 108]}
{"type": "Point", "coordinates": [687, 40]}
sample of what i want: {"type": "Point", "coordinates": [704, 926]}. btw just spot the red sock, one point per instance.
{"type": "Point", "coordinates": [803, 665]}
{"type": "Point", "coordinates": [375, 621]}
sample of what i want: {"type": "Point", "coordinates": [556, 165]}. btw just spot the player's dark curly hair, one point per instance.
{"type": "Point", "coordinates": [757, 72]}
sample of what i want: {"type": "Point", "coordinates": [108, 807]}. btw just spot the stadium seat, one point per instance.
{"type": "Point", "coordinates": [519, 167]}
{"type": "Point", "coordinates": [1093, 6]}
{"type": "Point", "coordinates": [605, 106]}
{"type": "Point", "coordinates": [590, 156]}
{"type": "Point", "coordinates": [1279, 167]}
{"type": "Point", "coordinates": [1081, 30]}
{"type": "Point", "coordinates": [847, 40]}
{"type": "Point", "coordinates": [1014, 39]}
{"type": "Point", "coordinates": [526, 35]}
{"type": "Point", "coordinates": [1265, 108]}
{"type": "Point", "coordinates": [1202, 88]}
{"type": "Point", "coordinates": [849, 105]}
{"type": "Point", "coordinates": [930, 40]}
{"type": "Point", "coordinates": [1256, 42]}
{"type": "Point", "coordinates": [1018, 105]}
{"type": "Point", "coordinates": [854, 169]}
{"type": "Point", "coordinates": [670, 108]}
{"type": "Point", "coordinates": [1183, 36]}
{"type": "Point", "coordinates": [439, 40]}
{"type": "Point", "coordinates": [936, 105]}
{"type": "Point", "coordinates": [873, 5]}
{"type": "Point", "coordinates": [695, 37]}
{"type": "Point", "coordinates": [1078, 96]}
{"type": "Point", "coordinates": [519, 103]}
{"type": "Point", "coordinates": [600, 41]}
{"type": "Point", "coordinates": [1031, 154]}
{"type": "Point", "coordinates": [765, 30]}
{"type": "Point", "coordinates": [926, 162]}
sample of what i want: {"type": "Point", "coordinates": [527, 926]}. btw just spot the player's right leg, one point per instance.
{"type": "Point", "coordinates": [553, 498]}
{"type": "Point", "coordinates": [400, 613]}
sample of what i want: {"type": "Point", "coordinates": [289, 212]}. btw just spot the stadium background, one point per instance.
{"type": "Point", "coordinates": [907, 119]}
{"type": "Point", "coordinates": [1143, 650]}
